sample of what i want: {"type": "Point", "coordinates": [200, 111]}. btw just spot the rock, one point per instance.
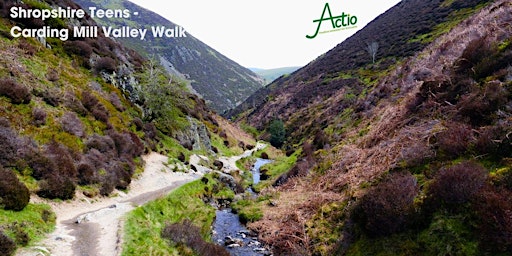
{"type": "Point", "coordinates": [230, 241]}
{"type": "Point", "coordinates": [259, 249]}
{"type": "Point", "coordinates": [83, 218]}
{"type": "Point", "coordinates": [218, 164]}
{"type": "Point", "coordinates": [264, 155]}
{"type": "Point", "coordinates": [254, 243]}
{"type": "Point", "coordinates": [233, 245]}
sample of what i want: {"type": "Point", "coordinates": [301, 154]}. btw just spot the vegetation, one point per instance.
{"type": "Point", "coordinates": [25, 227]}
{"type": "Point", "coordinates": [146, 225]}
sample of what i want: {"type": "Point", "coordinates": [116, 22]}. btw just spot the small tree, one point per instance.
{"type": "Point", "coordinates": [372, 49]}
{"type": "Point", "coordinates": [277, 133]}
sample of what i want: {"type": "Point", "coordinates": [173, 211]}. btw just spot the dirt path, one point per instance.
{"type": "Point", "coordinates": [229, 163]}
{"type": "Point", "coordinates": [94, 226]}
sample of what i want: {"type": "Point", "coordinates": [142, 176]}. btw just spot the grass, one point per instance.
{"type": "Point", "coordinates": [280, 165]}
{"type": "Point", "coordinates": [33, 222]}
{"type": "Point", "coordinates": [144, 225]}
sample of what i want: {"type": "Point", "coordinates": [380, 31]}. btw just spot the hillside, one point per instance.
{"type": "Point", "coordinates": [220, 81]}
{"type": "Point", "coordinates": [270, 75]}
{"type": "Point", "coordinates": [77, 115]}
{"type": "Point", "coordinates": [406, 156]}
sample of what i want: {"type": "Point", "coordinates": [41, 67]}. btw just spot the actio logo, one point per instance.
{"type": "Point", "coordinates": [341, 22]}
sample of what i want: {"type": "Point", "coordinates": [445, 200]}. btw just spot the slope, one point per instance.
{"type": "Point", "coordinates": [272, 74]}
{"type": "Point", "coordinates": [411, 158]}
{"type": "Point", "coordinates": [76, 117]}
{"type": "Point", "coordinates": [220, 81]}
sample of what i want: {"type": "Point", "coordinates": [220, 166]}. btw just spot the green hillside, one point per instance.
{"type": "Point", "coordinates": [220, 81]}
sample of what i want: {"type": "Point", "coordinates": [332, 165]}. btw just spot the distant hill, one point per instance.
{"type": "Point", "coordinates": [220, 81]}
{"type": "Point", "coordinates": [272, 74]}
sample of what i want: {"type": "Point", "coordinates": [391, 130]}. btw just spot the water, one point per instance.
{"type": "Point", "coordinates": [229, 230]}
{"type": "Point", "coordinates": [256, 174]}
{"type": "Point", "coordinates": [227, 225]}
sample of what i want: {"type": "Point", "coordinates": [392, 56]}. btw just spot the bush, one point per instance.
{"type": "Point", "coordinates": [79, 48]}
{"type": "Point", "coordinates": [114, 99]}
{"type": "Point", "coordinates": [73, 104]}
{"type": "Point", "coordinates": [388, 207]}
{"type": "Point", "coordinates": [72, 124]}
{"type": "Point", "coordinates": [455, 140]}
{"type": "Point", "coordinates": [101, 113]}
{"type": "Point", "coordinates": [187, 234]}
{"type": "Point", "coordinates": [63, 160]}
{"type": "Point", "coordinates": [55, 186]}
{"type": "Point", "coordinates": [86, 174]}
{"type": "Point", "coordinates": [7, 245]}
{"type": "Point", "coordinates": [494, 212]}
{"type": "Point", "coordinates": [277, 133]}
{"type": "Point", "coordinates": [9, 144]}
{"type": "Point", "coordinates": [104, 144]}
{"type": "Point", "coordinates": [105, 64]}
{"type": "Point", "coordinates": [16, 92]}
{"type": "Point", "coordinates": [89, 101]}
{"type": "Point", "coordinates": [14, 195]}
{"type": "Point", "coordinates": [39, 116]}
{"type": "Point", "coordinates": [455, 186]}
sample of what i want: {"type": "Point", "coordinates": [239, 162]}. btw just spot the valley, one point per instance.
{"type": "Point", "coordinates": [395, 142]}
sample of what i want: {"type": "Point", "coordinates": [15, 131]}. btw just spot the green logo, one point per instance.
{"type": "Point", "coordinates": [341, 22]}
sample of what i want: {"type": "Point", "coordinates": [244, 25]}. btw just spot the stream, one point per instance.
{"type": "Point", "coordinates": [229, 232]}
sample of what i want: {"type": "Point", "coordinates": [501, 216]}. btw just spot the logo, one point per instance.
{"type": "Point", "coordinates": [341, 22]}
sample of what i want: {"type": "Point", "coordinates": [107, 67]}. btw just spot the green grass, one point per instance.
{"type": "Point", "coordinates": [35, 221]}
{"type": "Point", "coordinates": [144, 225]}
{"type": "Point", "coordinates": [281, 164]}
{"type": "Point", "coordinates": [453, 20]}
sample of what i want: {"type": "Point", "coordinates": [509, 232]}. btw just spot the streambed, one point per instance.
{"type": "Point", "coordinates": [229, 232]}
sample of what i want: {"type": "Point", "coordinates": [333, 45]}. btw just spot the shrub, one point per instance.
{"type": "Point", "coordinates": [187, 234]}
{"type": "Point", "coordinates": [7, 245]}
{"type": "Point", "coordinates": [139, 125]}
{"type": "Point", "coordinates": [50, 97]}
{"type": "Point", "coordinates": [105, 64]}
{"type": "Point", "coordinates": [52, 75]}
{"type": "Point", "coordinates": [27, 47]}
{"type": "Point", "coordinates": [456, 185]}
{"type": "Point", "coordinates": [104, 144]}
{"type": "Point", "coordinates": [39, 116]}
{"type": "Point", "coordinates": [72, 124]}
{"type": "Point", "coordinates": [150, 131]}
{"type": "Point", "coordinates": [277, 133]}
{"type": "Point", "coordinates": [72, 103]}
{"type": "Point", "coordinates": [62, 158]}
{"type": "Point", "coordinates": [9, 144]}
{"type": "Point", "coordinates": [101, 113]}
{"type": "Point", "coordinates": [86, 174]}
{"type": "Point", "coordinates": [89, 101]}
{"type": "Point", "coordinates": [40, 164]}
{"type": "Point", "coordinates": [79, 48]}
{"type": "Point", "coordinates": [127, 145]}
{"type": "Point", "coordinates": [455, 140]}
{"type": "Point", "coordinates": [388, 207]}
{"type": "Point", "coordinates": [114, 99]}
{"type": "Point", "coordinates": [16, 92]}
{"type": "Point", "coordinates": [56, 186]}
{"type": "Point", "coordinates": [494, 212]}
{"type": "Point", "coordinates": [14, 195]}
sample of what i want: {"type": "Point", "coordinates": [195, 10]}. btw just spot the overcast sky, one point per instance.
{"type": "Point", "coordinates": [266, 33]}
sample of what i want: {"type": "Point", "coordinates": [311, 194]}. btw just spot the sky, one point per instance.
{"type": "Point", "coordinates": [266, 33]}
